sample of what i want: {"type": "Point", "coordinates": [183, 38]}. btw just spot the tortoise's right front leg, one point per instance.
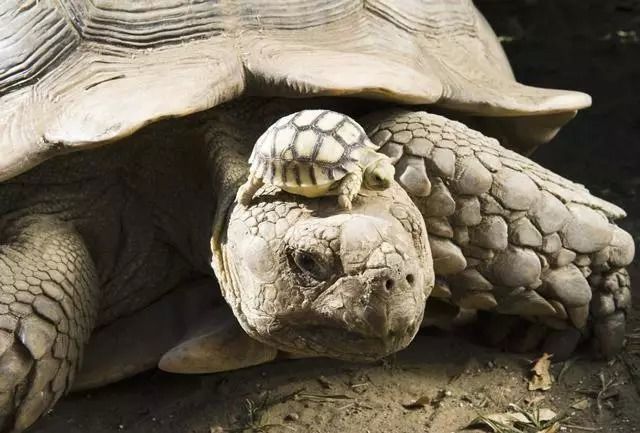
{"type": "Point", "coordinates": [48, 304]}
{"type": "Point", "coordinates": [509, 236]}
{"type": "Point", "coordinates": [348, 189]}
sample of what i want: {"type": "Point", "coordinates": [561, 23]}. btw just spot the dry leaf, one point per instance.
{"type": "Point", "coordinates": [417, 404]}
{"type": "Point", "coordinates": [508, 418]}
{"type": "Point", "coordinates": [495, 424]}
{"type": "Point", "coordinates": [499, 422]}
{"type": "Point", "coordinates": [581, 404]}
{"type": "Point", "coordinates": [553, 428]}
{"type": "Point", "coordinates": [541, 379]}
{"type": "Point", "coordinates": [545, 414]}
{"type": "Point", "coordinates": [541, 414]}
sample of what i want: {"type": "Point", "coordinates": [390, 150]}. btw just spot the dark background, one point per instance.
{"type": "Point", "coordinates": [592, 46]}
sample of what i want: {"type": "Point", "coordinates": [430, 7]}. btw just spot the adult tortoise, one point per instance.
{"type": "Point", "coordinates": [128, 243]}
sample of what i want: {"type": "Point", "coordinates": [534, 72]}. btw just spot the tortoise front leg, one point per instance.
{"type": "Point", "coordinates": [348, 189]}
{"type": "Point", "coordinates": [248, 190]}
{"type": "Point", "coordinates": [48, 305]}
{"type": "Point", "coordinates": [507, 235]}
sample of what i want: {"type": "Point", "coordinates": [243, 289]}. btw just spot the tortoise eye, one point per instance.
{"type": "Point", "coordinates": [308, 264]}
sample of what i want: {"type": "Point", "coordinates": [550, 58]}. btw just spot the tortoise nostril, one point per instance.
{"type": "Point", "coordinates": [390, 284]}
{"type": "Point", "coordinates": [410, 279]}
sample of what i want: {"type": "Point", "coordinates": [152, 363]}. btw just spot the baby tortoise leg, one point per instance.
{"type": "Point", "coordinates": [509, 236]}
{"type": "Point", "coordinates": [348, 189]}
{"type": "Point", "coordinates": [248, 189]}
{"type": "Point", "coordinates": [48, 304]}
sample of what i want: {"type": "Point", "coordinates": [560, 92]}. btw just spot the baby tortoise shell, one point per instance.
{"type": "Point", "coordinates": [315, 153]}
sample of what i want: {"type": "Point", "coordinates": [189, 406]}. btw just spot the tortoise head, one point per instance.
{"type": "Point", "coordinates": [305, 276]}
{"type": "Point", "coordinates": [378, 175]}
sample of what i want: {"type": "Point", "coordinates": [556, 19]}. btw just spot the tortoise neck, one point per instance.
{"type": "Point", "coordinates": [228, 151]}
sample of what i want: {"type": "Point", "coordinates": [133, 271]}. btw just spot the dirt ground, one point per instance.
{"type": "Point", "coordinates": [588, 45]}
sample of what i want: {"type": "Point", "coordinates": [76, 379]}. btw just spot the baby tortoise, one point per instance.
{"type": "Point", "coordinates": [315, 153]}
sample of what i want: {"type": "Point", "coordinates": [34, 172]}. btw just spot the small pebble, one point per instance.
{"type": "Point", "coordinates": [292, 417]}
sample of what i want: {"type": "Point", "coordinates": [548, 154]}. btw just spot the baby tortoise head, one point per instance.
{"type": "Point", "coordinates": [306, 276]}
{"type": "Point", "coordinates": [379, 174]}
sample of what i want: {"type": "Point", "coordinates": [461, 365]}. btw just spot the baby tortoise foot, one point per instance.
{"type": "Point", "coordinates": [248, 190]}
{"type": "Point", "coordinates": [348, 190]}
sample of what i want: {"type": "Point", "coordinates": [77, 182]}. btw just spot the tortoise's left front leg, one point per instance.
{"type": "Point", "coordinates": [508, 235]}
{"type": "Point", "coordinates": [248, 189]}
{"type": "Point", "coordinates": [48, 305]}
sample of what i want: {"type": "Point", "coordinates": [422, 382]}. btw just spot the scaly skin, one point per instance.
{"type": "Point", "coordinates": [508, 235]}
{"type": "Point", "coordinates": [48, 306]}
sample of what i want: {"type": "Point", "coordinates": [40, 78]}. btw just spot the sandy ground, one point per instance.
{"type": "Point", "coordinates": [589, 45]}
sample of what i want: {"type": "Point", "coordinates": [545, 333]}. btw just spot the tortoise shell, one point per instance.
{"type": "Point", "coordinates": [76, 74]}
{"type": "Point", "coordinates": [310, 148]}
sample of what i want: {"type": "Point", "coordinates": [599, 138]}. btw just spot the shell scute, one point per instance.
{"type": "Point", "coordinates": [329, 120]}
{"type": "Point", "coordinates": [304, 118]}
{"type": "Point", "coordinates": [305, 144]}
{"type": "Point", "coordinates": [329, 151]}
{"type": "Point", "coordinates": [282, 141]}
{"type": "Point", "coordinates": [349, 133]}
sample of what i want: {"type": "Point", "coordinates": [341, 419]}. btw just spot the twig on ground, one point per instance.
{"type": "Point", "coordinates": [581, 427]}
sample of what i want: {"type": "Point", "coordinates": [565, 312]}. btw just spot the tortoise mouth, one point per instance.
{"type": "Point", "coordinates": [341, 343]}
